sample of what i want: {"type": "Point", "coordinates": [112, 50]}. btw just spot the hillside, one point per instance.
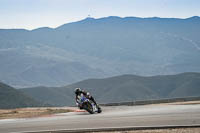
{"type": "Point", "coordinates": [122, 88]}
{"type": "Point", "coordinates": [99, 48]}
{"type": "Point", "coordinates": [12, 98]}
{"type": "Point", "coordinates": [49, 95]}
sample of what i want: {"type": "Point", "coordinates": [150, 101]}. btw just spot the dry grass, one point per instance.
{"type": "Point", "coordinates": [31, 112]}
{"type": "Point", "coordinates": [181, 130]}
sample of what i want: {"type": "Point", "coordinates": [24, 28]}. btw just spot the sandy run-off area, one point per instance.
{"type": "Point", "coordinates": [181, 130]}
{"type": "Point", "coordinates": [33, 112]}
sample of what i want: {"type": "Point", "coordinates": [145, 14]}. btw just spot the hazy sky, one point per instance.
{"type": "Point", "coordinates": [32, 14]}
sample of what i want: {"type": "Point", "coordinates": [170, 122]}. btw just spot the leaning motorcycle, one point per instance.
{"type": "Point", "coordinates": [88, 105]}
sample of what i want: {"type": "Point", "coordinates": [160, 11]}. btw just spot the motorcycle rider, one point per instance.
{"type": "Point", "coordinates": [80, 92]}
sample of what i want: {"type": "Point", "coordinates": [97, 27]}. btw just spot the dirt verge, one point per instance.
{"type": "Point", "coordinates": [181, 130]}
{"type": "Point", "coordinates": [31, 112]}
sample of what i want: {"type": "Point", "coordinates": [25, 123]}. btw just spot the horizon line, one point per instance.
{"type": "Point", "coordinates": [96, 18]}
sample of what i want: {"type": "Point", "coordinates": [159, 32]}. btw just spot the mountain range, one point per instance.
{"type": "Point", "coordinates": [99, 48]}
{"type": "Point", "coordinates": [121, 88]}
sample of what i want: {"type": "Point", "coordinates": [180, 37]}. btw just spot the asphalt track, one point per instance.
{"type": "Point", "coordinates": [118, 116]}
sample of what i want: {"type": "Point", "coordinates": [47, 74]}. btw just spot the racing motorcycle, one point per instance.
{"type": "Point", "coordinates": [88, 105]}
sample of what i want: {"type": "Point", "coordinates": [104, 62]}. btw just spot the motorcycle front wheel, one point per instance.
{"type": "Point", "coordinates": [88, 107]}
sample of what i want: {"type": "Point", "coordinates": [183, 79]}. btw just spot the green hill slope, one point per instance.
{"type": "Point", "coordinates": [123, 88]}
{"type": "Point", "coordinates": [48, 95]}
{"type": "Point", "coordinates": [12, 98]}
{"type": "Point", "coordinates": [190, 88]}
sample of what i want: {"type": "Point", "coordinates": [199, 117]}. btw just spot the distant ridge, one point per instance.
{"type": "Point", "coordinates": [122, 88]}
{"type": "Point", "coordinates": [103, 18]}
{"type": "Point", "coordinates": [117, 18]}
{"type": "Point", "coordinates": [99, 48]}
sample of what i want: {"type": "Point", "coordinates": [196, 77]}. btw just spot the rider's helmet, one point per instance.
{"type": "Point", "coordinates": [88, 95]}
{"type": "Point", "coordinates": [77, 91]}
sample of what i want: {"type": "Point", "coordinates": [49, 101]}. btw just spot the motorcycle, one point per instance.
{"type": "Point", "coordinates": [88, 105]}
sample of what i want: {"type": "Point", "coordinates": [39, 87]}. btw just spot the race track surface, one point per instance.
{"type": "Point", "coordinates": [118, 116]}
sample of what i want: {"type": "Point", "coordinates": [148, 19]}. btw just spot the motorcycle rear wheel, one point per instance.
{"type": "Point", "coordinates": [99, 110]}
